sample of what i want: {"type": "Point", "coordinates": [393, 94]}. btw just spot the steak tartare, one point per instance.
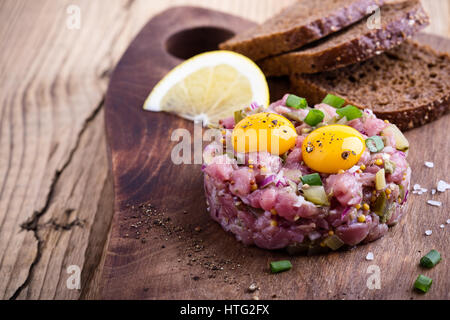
{"type": "Point", "coordinates": [343, 180]}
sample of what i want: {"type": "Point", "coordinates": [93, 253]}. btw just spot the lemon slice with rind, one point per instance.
{"type": "Point", "coordinates": [210, 87]}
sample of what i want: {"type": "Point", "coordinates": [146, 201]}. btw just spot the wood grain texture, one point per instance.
{"type": "Point", "coordinates": [143, 263]}
{"type": "Point", "coordinates": [52, 84]}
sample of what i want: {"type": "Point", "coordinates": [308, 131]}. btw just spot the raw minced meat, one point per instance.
{"type": "Point", "coordinates": [277, 215]}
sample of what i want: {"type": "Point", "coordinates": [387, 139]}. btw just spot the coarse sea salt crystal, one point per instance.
{"type": "Point", "coordinates": [434, 203]}
{"type": "Point", "coordinates": [448, 221]}
{"type": "Point", "coordinates": [442, 226]}
{"type": "Point", "coordinates": [417, 187]}
{"type": "Point", "coordinates": [442, 186]}
{"type": "Point", "coordinates": [429, 164]}
{"type": "Point", "coordinates": [428, 232]}
{"type": "Point", "coordinates": [433, 191]}
{"type": "Point", "coordinates": [369, 256]}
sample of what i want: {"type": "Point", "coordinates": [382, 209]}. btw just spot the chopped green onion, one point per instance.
{"type": "Point", "coordinates": [312, 179]}
{"type": "Point", "coordinates": [296, 102]}
{"type": "Point", "coordinates": [350, 112]}
{"type": "Point", "coordinates": [280, 266]}
{"type": "Point", "coordinates": [334, 101]}
{"type": "Point", "coordinates": [431, 259]}
{"type": "Point", "coordinates": [375, 144]}
{"type": "Point", "coordinates": [423, 283]}
{"type": "Point", "coordinates": [238, 117]}
{"type": "Point", "coordinates": [314, 117]}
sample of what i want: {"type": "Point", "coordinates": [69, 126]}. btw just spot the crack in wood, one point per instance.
{"type": "Point", "coordinates": [64, 226]}
{"type": "Point", "coordinates": [32, 224]}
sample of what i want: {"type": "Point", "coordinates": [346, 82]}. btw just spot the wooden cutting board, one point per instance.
{"type": "Point", "coordinates": [163, 245]}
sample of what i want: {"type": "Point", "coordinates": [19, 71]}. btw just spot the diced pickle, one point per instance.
{"type": "Point", "coordinates": [238, 116]}
{"type": "Point", "coordinates": [317, 195]}
{"type": "Point", "coordinates": [380, 180]}
{"type": "Point", "coordinates": [380, 204]}
{"type": "Point", "coordinates": [334, 242]}
{"type": "Point", "coordinates": [401, 191]}
{"type": "Point", "coordinates": [388, 214]}
{"type": "Point", "coordinates": [401, 142]}
{"type": "Point", "coordinates": [297, 248]}
{"type": "Point", "coordinates": [383, 208]}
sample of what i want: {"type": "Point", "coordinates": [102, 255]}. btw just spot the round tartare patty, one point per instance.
{"type": "Point", "coordinates": [275, 213]}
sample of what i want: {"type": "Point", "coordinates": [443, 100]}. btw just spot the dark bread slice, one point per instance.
{"type": "Point", "coordinates": [301, 23]}
{"type": "Point", "coordinates": [353, 44]}
{"type": "Point", "coordinates": [409, 85]}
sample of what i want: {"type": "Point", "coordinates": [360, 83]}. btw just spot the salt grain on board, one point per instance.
{"type": "Point", "coordinates": [442, 226]}
{"type": "Point", "coordinates": [369, 256]}
{"type": "Point", "coordinates": [429, 164]}
{"type": "Point", "coordinates": [448, 221]}
{"type": "Point", "coordinates": [442, 186]}
{"type": "Point", "coordinates": [434, 203]}
{"type": "Point", "coordinates": [428, 232]}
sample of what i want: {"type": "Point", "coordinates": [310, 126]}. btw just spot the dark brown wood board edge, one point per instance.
{"type": "Point", "coordinates": [151, 42]}
{"type": "Point", "coordinates": [147, 266]}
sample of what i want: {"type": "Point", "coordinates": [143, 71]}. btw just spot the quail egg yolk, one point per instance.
{"type": "Point", "coordinates": [265, 131]}
{"type": "Point", "coordinates": [333, 148]}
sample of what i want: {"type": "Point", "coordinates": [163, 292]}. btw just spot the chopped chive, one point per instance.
{"type": "Point", "coordinates": [314, 117]}
{"type": "Point", "coordinates": [423, 283]}
{"type": "Point", "coordinates": [280, 266]}
{"type": "Point", "coordinates": [312, 179]}
{"type": "Point", "coordinates": [375, 144]}
{"type": "Point", "coordinates": [296, 102]}
{"type": "Point", "coordinates": [431, 259]}
{"type": "Point", "coordinates": [350, 112]}
{"type": "Point", "coordinates": [333, 101]}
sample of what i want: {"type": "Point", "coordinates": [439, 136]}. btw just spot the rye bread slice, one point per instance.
{"type": "Point", "coordinates": [409, 85]}
{"type": "Point", "coordinates": [353, 44]}
{"type": "Point", "coordinates": [300, 23]}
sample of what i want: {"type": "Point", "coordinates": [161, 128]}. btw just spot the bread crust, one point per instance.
{"type": "Point", "coordinates": [286, 32]}
{"type": "Point", "coordinates": [403, 21]}
{"type": "Point", "coordinates": [404, 119]}
{"type": "Point", "coordinates": [411, 115]}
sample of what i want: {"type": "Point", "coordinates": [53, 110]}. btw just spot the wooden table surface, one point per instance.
{"type": "Point", "coordinates": [56, 192]}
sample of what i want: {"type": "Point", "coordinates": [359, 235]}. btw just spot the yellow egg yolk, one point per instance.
{"type": "Point", "coordinates": [333, 148]}
{"type": "Point", "coordinates": [264, 132]}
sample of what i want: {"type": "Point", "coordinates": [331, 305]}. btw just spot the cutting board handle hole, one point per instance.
{"type": "Point", "coordinates": [190, 42]}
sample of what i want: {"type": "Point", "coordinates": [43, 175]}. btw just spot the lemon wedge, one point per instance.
{"type": "Point", "coordinates": [209, 87]}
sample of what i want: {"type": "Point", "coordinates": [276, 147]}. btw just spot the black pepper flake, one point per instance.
{"type": "Point", "coordinates": [345, 155]}
{"type": "Point", "coordinates": [275, 122]}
